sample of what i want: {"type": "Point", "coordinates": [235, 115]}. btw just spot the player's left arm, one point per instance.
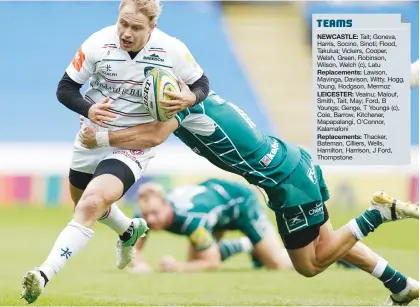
{"type": "Point", "coordinates": [206, 255]}
{"type": "Point", "coordinates": [194, 83]}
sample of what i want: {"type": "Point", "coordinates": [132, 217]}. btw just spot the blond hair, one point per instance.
{"type": "Point", "coordinates": [151, 189]}
{"type": "Point", "coordinates": [150, 8]}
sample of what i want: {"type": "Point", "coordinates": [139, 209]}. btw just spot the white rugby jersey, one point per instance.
{"type": "Point", "coordinates": [112, 73]}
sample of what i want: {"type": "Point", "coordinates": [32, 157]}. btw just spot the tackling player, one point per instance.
{"type": "Point", "coordinates": [222, 133]}
{"type": "Point", "coordinates": [114, 61]}
{"type": "Point", "coordinates": [203, 212]}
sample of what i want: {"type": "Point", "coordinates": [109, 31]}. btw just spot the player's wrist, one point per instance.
{"type": "Point", "coordinates": [194, 101]}
{"type": "Point", "coordinates": [86, 109]}
{"type": "Point", "coordinates": [102, 139]}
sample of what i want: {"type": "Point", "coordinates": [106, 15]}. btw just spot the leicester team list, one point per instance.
{"type": "Point", "coordinates": [361, 89]}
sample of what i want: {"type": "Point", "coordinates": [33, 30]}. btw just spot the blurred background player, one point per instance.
{"type": "Point", "coordinates": [221, 132]}
{"type": "Point", "coordinates": [203, 213]}
{"type": "Point", "coordinates": [114, 61]}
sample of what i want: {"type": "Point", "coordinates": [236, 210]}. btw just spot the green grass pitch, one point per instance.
{"type": "Point", "coordinates": [91, 277]}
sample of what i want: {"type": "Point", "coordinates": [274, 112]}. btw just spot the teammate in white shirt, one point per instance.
{"type": "Point", "coordinates": [114, 60]}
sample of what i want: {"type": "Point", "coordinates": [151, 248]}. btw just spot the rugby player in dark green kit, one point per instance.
{"type": "Point", "coordinates": [222, 133]}
{"type": "Point", "coordinates": [203, 213]}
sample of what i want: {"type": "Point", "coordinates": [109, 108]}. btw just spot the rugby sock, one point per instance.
{"type": "Point", "coordinates": [115, 219]}
{"type": "Point", "coordinates": [391, 278]}
{"type": "Point", "coordinates": [365, 223]}
{"type": "Point", "coordinates": [229, 248]}
{"type": "Point", "coordinates": [69, 242]}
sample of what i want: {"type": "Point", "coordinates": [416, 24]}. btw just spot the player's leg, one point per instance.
{"type": "Point", "coordinates": [271, 253]}
{"type": "Point", "coordinates": [113, 217]}
{"type": "Point", "coordinates": [314, 248]}
{"type": "Point", "coordinates": [403, 289]}
{"type": "Point", "coordinates": [301, 215]}
{"type": "Point", "coordinates": [312, 253]}
{"type": "Point", "coordinates": [267, 248]}
{"type": "Point", "coordinates": [112, 178]}
{"type": "Point", "coordinates": [227, 248]}
{"type": "Point", "coordinates": [234, 246]}
{"type": "Point", "coordinates": [78, 181]}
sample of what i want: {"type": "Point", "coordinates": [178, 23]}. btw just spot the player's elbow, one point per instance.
{"type": "Point", "coordinates": [59, 92]}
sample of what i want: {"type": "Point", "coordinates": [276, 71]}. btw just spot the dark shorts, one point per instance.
{"type": "Point", "coordinates": [298, 202]}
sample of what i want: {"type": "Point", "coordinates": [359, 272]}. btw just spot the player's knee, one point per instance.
{"type": "Point", "coordinates": [308, 270]}
{"type": "Point", "coordinates": [92, 204]}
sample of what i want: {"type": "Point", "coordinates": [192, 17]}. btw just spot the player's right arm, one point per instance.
{"type": "Point", "coordinates": [141, 136]}
{"type": "Point", "coordinates": [81, 68]}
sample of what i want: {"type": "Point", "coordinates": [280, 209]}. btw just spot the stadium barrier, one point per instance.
{"type": "Point", "coordinates": [36, 174]}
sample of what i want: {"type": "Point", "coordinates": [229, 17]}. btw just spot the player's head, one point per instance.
{"type": "Point", "coordinates": [136, 21]}
{"type": "Point", "coordinates": [154, 206]}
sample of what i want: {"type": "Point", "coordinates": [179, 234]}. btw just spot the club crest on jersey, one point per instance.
{"type": "Point", "coordinates": [153, 57]}
{"type": "Point", "coordinates": [266, 160]}
{"type": "Point", "coordinates": [107, 71]}
{"type": "Point", "coordinates": [312, 174]}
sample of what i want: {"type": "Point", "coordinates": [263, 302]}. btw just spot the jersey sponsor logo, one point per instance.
{"type": "Point", "coordinates": [201, 239]}
{"type": "Point", "coordinates": [295, 221]}
{"type": "Point", "coordinates": [78, 59]}
{"type": "Point", "coordinates": [153, 57]}
{"type": "Point", "coordinates": [319, 209]}
{"type": "Point", "coordinates": [146, 92]}
{"type": "Point", "coordinates": [136, 152]}
{"type": "Point", "coordinates": [266, 160]}
{"type": "Point", "coordinates": [129, 155]}
{"type": "Point", "coordinates": [107, 71]}
{"type": "Point", "coordinates": [118, 90]}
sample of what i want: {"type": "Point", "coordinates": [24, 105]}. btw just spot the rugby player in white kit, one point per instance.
{"type": "Point", "coordinates": [114, 60]}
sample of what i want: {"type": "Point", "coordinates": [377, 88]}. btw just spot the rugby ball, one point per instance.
{"type": "Point", "coordinates": [156, 82]}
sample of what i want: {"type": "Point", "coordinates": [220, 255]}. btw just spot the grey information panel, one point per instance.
{"type": "Point", "coordinates": [361, 89]}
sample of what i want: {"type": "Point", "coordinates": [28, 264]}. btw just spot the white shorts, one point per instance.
{"type": "Point", "coordinates": [86, 160]}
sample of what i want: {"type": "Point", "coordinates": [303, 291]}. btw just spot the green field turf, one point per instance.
{"type": "Point", "coordinates": [91, 278]}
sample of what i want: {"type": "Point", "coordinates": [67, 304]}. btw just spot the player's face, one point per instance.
{"type": "Point", "coordinates": [134, 28]}
{"type": "Point", "coordinates": [155, 212]}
